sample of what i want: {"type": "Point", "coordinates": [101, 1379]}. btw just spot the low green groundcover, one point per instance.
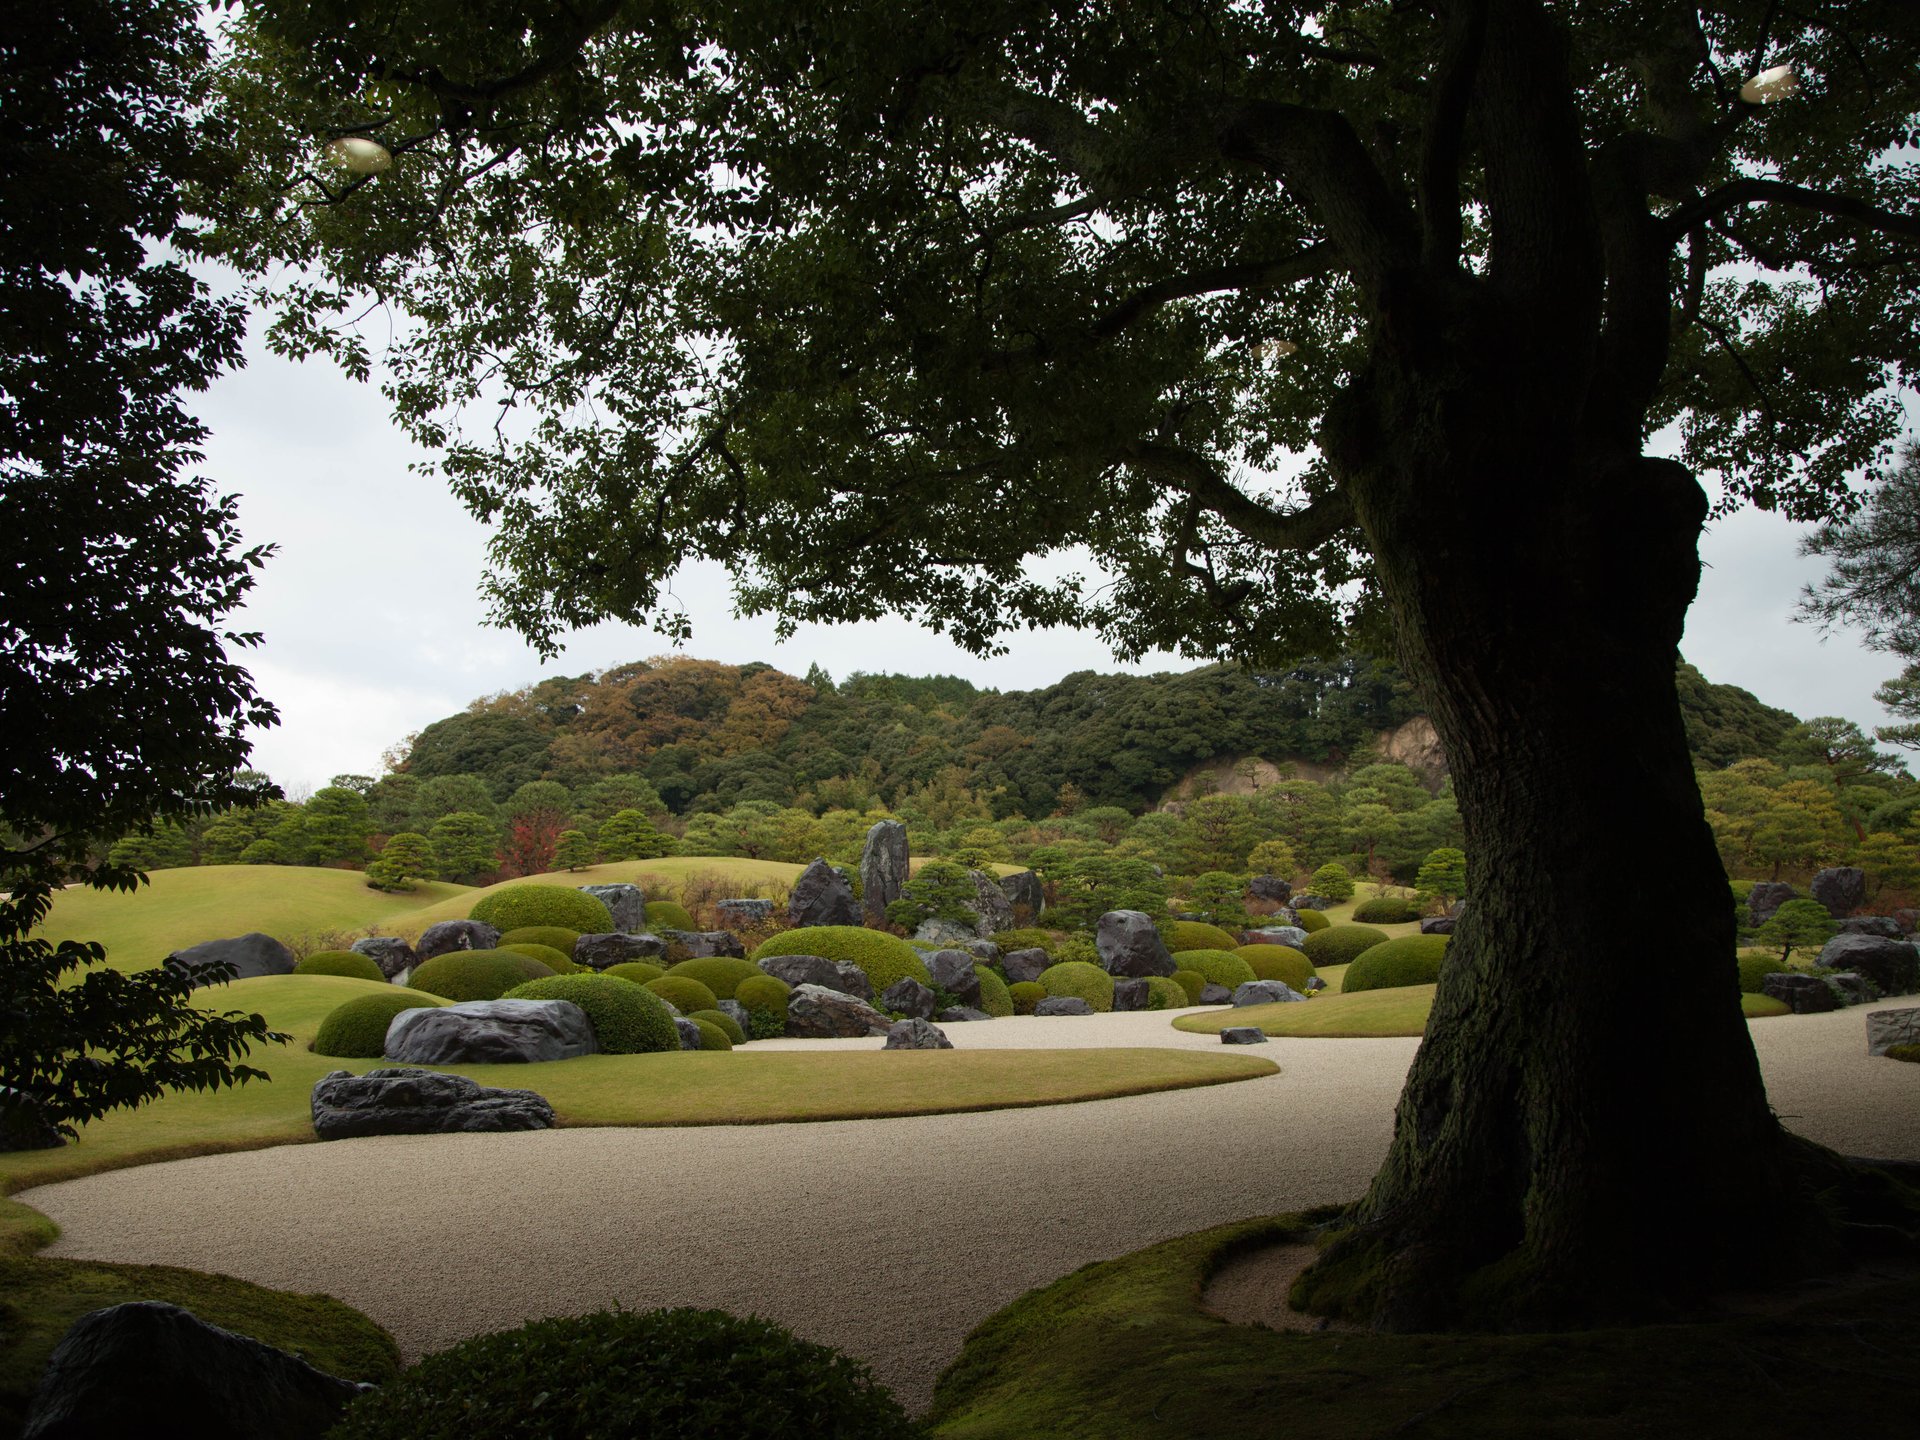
{"type": "Point", "coordinates": [728, 1025]}
{"type": "Point", "coordinates": [561, 963]}
{"type": "Point", "coordinates": [719, 973]}
{"type": "Point", "coordinates": [1026, 994]}
{"type": "Point", "coordinates": [1198, 935]}
{"type": "Point", "coordinates": [668, 915]}
{"type": "Point", "coordinates": [1908, 1053]}
{"type": "Point", "coordinates": [517, 906]}
{"type": "Point", "coordinates": [683, 993]}
{"type": "Point", "coordinates": [626, 1018]}
{"type": "Point", "coordinates": [994, 996]}
{"type": "Point", "coordinates": [1192, 982]}
{"type": "Point", "coordinates": [1164, 994]}
{"type": "Point", "coordinates": [638, 971]}
{"type": "Point", "coordinates": [558, 936]}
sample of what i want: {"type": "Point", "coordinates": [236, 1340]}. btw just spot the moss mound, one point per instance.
{"type": "Point", "coordinates": [1192, 982]}
{"type": "Point", "coordinates": [883, 957]}
{"type": "Point", "coordinates": [1409, 960]}
{"type": "Point", "coordinates": [1278, 962]}
{"type": "Point", "coordinates": [763, 992]}
{"type": "Point", "coordinates": [994, 998]}
{"type": "Point", "coordinates": [719, 973]}
{"type": "Point", "coordinates": [349, 963]}
{"type": "Point", "coordinates": [357, 1030]}
{"type": "Point", "coordinates": [554, 960]}
{"type": "Point", "coordinates": [519, 906]}
{"type": "Point", "coordinates": [668, 915]}
{"type": "Point", "coordinates": [476, 974]}
{"type": "Point", "coordinates": [1754, 969]}
{"type": "Point", "coordinates": [1164, 994]}
{"type": "Point", "coordinates": [1909, 1053]}
{"type": "Point", "coordinates": [726, 1022]}
{"type": "Point", "coordinates": [638, 971]}
{"type": "Point", "coordinates": [1385, 910]}
{"type": "Point", "coordinates": [626, 1019]}
{"type": "Point", "coordinates": [1196, 935]}
{"type": "Point", "coordinates": [1216, 967]}
{"type": "Point", "coordinates": [1343, 944]}
{"type": "Point", "coordinates": [712, 1036]}
{"type": "Point", "coordinates": [1311, 920]}
{"type": "Point", "coordinates": [683, 993]}
{"type": "Point", "coordinates": [1026, 994]}
{"type": "Point", "coordinates": [1081, 980]}
{"type": "Point", "coordinates": [556, 936]}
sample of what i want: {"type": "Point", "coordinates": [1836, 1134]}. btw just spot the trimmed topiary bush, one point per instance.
{"type": "Point", "coordinates": [668, 915]}
{"type": "Point", "coordinates": [712, 1036]}
{"type": "Point", "coordinates": [1026, 994]}
{"type": "Point", "coordinates": [1754, 970]}
{"type": "Point", "coordinates": [683, 993]}
{"type": "Point", "coordinates": [357, 1030]}
{"type": "Point", "coordinates": [663, 1374]}
{"type": "Point", "coordinates": [1312, 920]}
{"type": "Point", "coordinates": [1278, 962]}
{"type": "Point", "coordinates": [885, 958]}
{"type": "Point", "coordinates": [476, 974]}
{"type": "Point", "coordinates": [349, 963]}
{"type": "Point", "coordinates": [517, 906]}
{"type": "Point", "coordinates": [719, 973]}
{"type": "Point", "coordinates": [1192, 982]}
{"type": "Point", "coordinates": [626, 1019]}
{"type": "Point", "coordinates": [1164, 994]}
{"type": "Point", "coordinates": [994, 998]}
{"type": "Point", "coordinates": [1331, 880]}
{"type": "Point", "coordinates": [1217, 967]}
{"type": "Point", "coordinates": [557, 936]}
{"type": "Point", "coordinates": [1339, 944]}
{"type": "Point", "coordinates": [1029, 938]}
{"type": "Point", "coordinates": [764, 997]}
{"type": "Point", "coordinates": [553, 959]}
{"type": "Point", "coordinates": [1080, 979]}
{"type": "Point", "coordinates": [725, 1021]}
{"type": "Point", "coordinates": [638, 971]}
{"type": "Point", "coordinates": [1196, 935]}
{"type": "Point", "coordinates": [1385, 910]}
{"type": "Point", "coordinates": [1408, 960]}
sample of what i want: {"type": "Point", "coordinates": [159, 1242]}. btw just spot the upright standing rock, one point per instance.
{"type": "Point", "coordinates": [1842, 889]}
{"type": "Point", "coordinates": [393, 955]}
{"type": "Point", "coordinates": [992, 911]}
{"type": "Point", "coordinates": [626, 903]}
{"type": "Point", "coordinates": [883, 868]}
{"type": "Point", "coordinates": [1022, 889]}
{"type": "Point", "coordinates": [1766, 897]}
{"type": "Point", "coordinates": [1129, 945]}
{"type": "Point", "coordinates": [822, 896]}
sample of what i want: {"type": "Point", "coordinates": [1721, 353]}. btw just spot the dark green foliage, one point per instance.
{"type": "Point", "coordinates": [1385, 910]}
{"type": "Point", "coordinates": [1088, 886]}
{"type": "Point", "coordinates": [1754, 970]}
{"type": "Point", "coordinates": [885, 958]}
{"type": "Point", "coordinates": [1216, 967]}
{"type": "Point", "coordinates": [1163, 993]}
{"type": "Point", "coordinates": [1190, 981]}
{"type": "Point", "coordinates": [661, 1375]}
{"type": "Point", "coordinates": [638, 971]}
{"type": "Point", "coordinates": [1312, 920]}
{"type": "Point", "coordinates": [1278, 962]}
{"type": "Point", "coordinates": [719, 973]}
{"type": "Point", "coordinates": [555, 936]}
{"type": "Point", "coordinates": [465, 845]}
{"type": "Point", "coordinates": [357, 1029]}
{"type": "Point", "coordinates": [1407, 960]}
{"type": "Point", "coordinates": [1797, 925]}
{"type": "Point", "coordinates": [1339, 944]}
{"type": "Point", "coordinates": [683, 993]}
{"type": "Point", "coordinates": [730, 1026]}
{"type": "Point", "coordinates": [1442, 875]}
{"type": "Point", "coordinates": [712, 1036]}
{"type": "Point", "coordinates": [339, 962]}
{"type": "Point", "coordinates": [626, 1019]}
{"type": "Point", "coordinates": [1725, 723]}
{"type": "Point", "coordinates": [475, 974]}
{"type": "Point", "coordinates": [994, 998]}
{"type": "Point", "coordinates": [938, 890]}
{"type": "Point", "coordinates": [1193, 935]}
{"type": "Point", "coordinates": [1025, 994]}
{"type": "Point", "coordinates": [668, 915]}
{"type": "Point", "coordinates": [1218, 894]}
{"type": "Point", "coordinates": [1029, 938]}
{"type": "Point", "coordinates": [516, 907]}
{"type": "Point", "coordinates": [556, 961]}
{"type": "Point", "coordinates": [1332, 881]}
{"type": "Point", "coordinates": [1079, 979]}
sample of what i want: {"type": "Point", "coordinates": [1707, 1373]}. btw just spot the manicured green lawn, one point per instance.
{"type": "Point", "coordinates": [748, 877]}
{"type": "Point", "coordinates": [1333, 1015]}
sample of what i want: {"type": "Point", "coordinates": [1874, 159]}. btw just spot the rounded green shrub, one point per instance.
{"type": "Point", "coordinates": [476, 974]}
{"type": "Point", "coordinates": [885, 958]}
{"type": "Point", "coordinates": [557, 936]}
{"type": "Point", "coordinates": [994, 998]}
{"type": "Point", "coordinates": [1165, 994]}
{"type": "Point", "coordinates": [1026, 994]}
{"type": "Point", "coordinates": [726, 1022]}
{"type": "Point", "coordinates": [712, 1036]}
{"type": "Point", "coordinates": [1909, 1053]}
{"type": "Point", "coordinates": [518, 906]}
{"type": "Point", "coordinates": [764, 994]}
{"type": "Point", "coordinates": [1030, 937]}
{"type": "Point", "coordinates": [1385, 910]}
{"type": "Point", "coordinates": [638, 971]}
{"type": "Point", "coordinates": [719, 973]}
{"type": "Point", "coordinates": [626, 1019]}
{"type": "Point", "coordinates": [1278, 962]}
{"type": "Point", "coordinates": [1081, 980]}
{"type": "Point", "coordinates": [1311, 920]}
{"type": "Point", "coordinates": [663, 1374]}
{"type": "Point", "coordinates": [1192, 982]}
{"type": "Point", "coordinates": [1755, 966]}
{"type": "Point", "coordinates": [1196, 935]}
{"type": "Point", "coordinates": [1339, 944]}
{"type": "Point", "coordinates": [357, 1030]}
{"type": "Point", "coordinates": [553, 959]}
{"type": "Point", "coordinates": [349, 963]}
{"type": "Point", "coordinates": [668, 915]}
{"type": "Point", "coordinates": [1408, 960]}
{"type": "Point", "coordinates": [683, 993]}
{"type": "Point", "coordinates": [1331, 880]}
{"type": "Point", "coordinates": [1216, 967]}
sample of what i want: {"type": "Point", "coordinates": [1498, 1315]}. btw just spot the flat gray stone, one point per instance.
{"type": "Point", "coordinates": [250, 955]}
{"type": "Point", "coordinates": [1243, 1035]}
{"type": "Point", "coordinates": [490, 1032]}
{"type": "Point", "coordinates": [739, 1014]}
{"type": "Point", "coordinates": [1882, 925]}
{"type": "Point", "coordinates": [1063, 1005]}
{"type": "Point", "coordinates": [597, 952]}
{"type": "Point", "coordinates": [811, 970]}
{"type": "Point", "coordinates": [1802, 994]}
{"type": "Point", "coordinates": [1892, 965]}
{"type": "Point", "coordinates": [908, 997]}
{"type": "Point", "coordinates": [916, 1034]}
{"type": "Point", "coordinates": [689, 1032]}
{"type": "Point", "coordinates": [626, 903]}
{"type": "Point", "coordinates": [962, 1014]}
{"type": "Point", "coordinates": [944, 932]}
{"type": "Point", "coordinates": [419, 1102]}
{"type": "Point", "coordinates": [1266, 992]}
{"type": "Point", "coordinates": [701, 944]}
{"type": "Point", "coordinates": [816, 1013]}
{"type": "Point", "coordinates": [450, 935]}
{"type": "Point", "coordinates": [1291, 936]}
{"type": "Point", "coordinates": [1212, 994]}
{"type": "Point", "coordinates": [1129, 993]}
{"type": "Point", "coordinates": [393, 955]}
{"type": "Point", "coordinates": [1888, 1028]}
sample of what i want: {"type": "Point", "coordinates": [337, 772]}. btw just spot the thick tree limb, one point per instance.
{"type": "Point", "coordinates": [1196, 477]}
{"type": "Point", "coordinates": [1801, 197]}
{"type": "Point", "coordinates": [1249, 275]}
{"type": "Point", "coordinates": [467, 98]}
{"type": "Point", "coordinates": [1452, 96]}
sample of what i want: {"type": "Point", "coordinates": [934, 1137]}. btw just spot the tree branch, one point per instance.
{"type": "Point", "coordinates": [1750, 190]}
{"type": "Point", "coordinates": [1248, 275]}
{"type": "Point", "coordinates": [469, 97]}
{"type": "Point", "coordinates": [1201, 481]}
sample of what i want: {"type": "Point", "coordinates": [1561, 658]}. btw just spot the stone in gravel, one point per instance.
{"type": "Point", "coordinates": [915, 1033]}
{"type": "Point", "coordinates": [816, 1013]}
{"type": "Point", "coordinates": [703, 943]}
{"type": "Point", "coordinates": [953, 972]}
{"type": "Point", "coordinates": [1803, 994]}
{"type": "Point", "coordinates": [908, 997]}
{"type": "Point", "coordinates": [626, 903]}
{"type": "Point", "coordinates": [490, 1032]}
{"type": "Point", "coordinates": [1881, 925]}
{"type": "Point", "coordinates": [1766, 897]}
{"type": "Point", "coordinates": [744, 913]}
{"type": "Point", "coordinates": [1438, 925]}
{"type": "Point", "coordinates": [1266, 992]}
{"type": "Point", "coordinates": [883, 868]}
{"type": "Point", "coordinates": [1212, 994]}
{"type": "Point", "coordinates": [807, 970]}
{"type": "Point", "coordinates": [1129, 993]}
{"type": "Point", "coordinates": [1888, 1028]}
{"type": "Point", "coordinates": [993, 912]}
{"type": "Point", "coordinates": [1291, 936]}
{"type": "Point", "coordinates": [450, 935]}
{"type": "Point", "coordinates": [419, 1102]}
{"type": "Point", "coordinates": [597, 952]}
{"type": "Point", "coordinates": [1022, 889]}
{"type": "Point", "coordinates": [1025, 965]}
{"type": "Point", "coordinates": [1243, 1035]}
{"type": "Point", "coordinates": [944, 932]}
{"type": "Point", "coordinates": [1063, 1005]}
{"type": "Point", "coordinates": [739, 1013]}
{"type": "Point", "coordinates": [1129, 945]}
{"type": "Point", "coordinates": [250, 955]}
{"type": "Point", "coordinates": [393, 955]}
{"type": "Point", "coordinates": [147, 1368]}
{"type": "Point", "coordinates": [1841, 888]}
{"type": "Point", "coordinates": [689, 1032]}
{"type": "Point", "coordinates": [1270, 887]}
{"type": "Point", "coordinates": [822, 896]}
{"type": "Point", "coordinates": [1851, 989]}
{"type": "Point", "coordinates": [961, 1014]}
{"type": "Point", "coordinates": [1893, 965]}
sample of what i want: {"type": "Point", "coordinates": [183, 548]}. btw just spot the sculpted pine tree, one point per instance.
{"type": "Point", "coordinates": [1304, 321]}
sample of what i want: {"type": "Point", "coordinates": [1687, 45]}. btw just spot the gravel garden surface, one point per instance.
{"type": "Point", "coordinates": [890, 1238]}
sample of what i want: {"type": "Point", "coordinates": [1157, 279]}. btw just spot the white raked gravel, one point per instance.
{"type": "Point", "coordinates": [890, 1239]}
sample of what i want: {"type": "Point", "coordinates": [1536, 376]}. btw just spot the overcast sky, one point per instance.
{"type": "Point", "coordinates": [373, 627]}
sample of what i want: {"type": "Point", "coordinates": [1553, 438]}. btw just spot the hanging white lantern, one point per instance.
{"type": "Point", "coordinates": [1770, 85]}
{"type": "Point", "coordinates": [359, 155]}
{"type": "Point", "coordinates": [1274, 349]}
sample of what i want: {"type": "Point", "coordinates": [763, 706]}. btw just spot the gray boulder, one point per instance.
{"type": "Point", "coordinates": [597, 952]}
{"type": "Point", "coordinates": [1025, 965]}
{"type": "Point", "coordinates": [1766, 897]}
{"type": "Point", "coordinates": [1291, 936]}
{"type": "Point", "coordinates": [853, 981]}
{"type": "Point", "coordinates": [1907, 918]}
{"type": "Point", "coordinates": [1438, 925]}
{"type": "Point", "coordinates": [953, 972]}
{"type": "Point", "coordinates": [744, 913]}
{"type": "Point", "coordinates": [1129, 993]}
{"type": "Point", "coordinates": [450, 935]}
{"type": "Point", "coordinates": [490, 1032]}
{"type": "Point", "coordinates": [908, 997]}
{"type": "Point", "coordinates": [1243, 1035]}
{"type": "Point", "coordinates": [1888, 1028]}
{"type": "Point", "coordinates": [822, 896]}
{"type": "Point", "coordinates": [817, 1013]}
{"type": "Point", "coordinates": [152, 1370]}
{"type": "Point", "coordinates": [915, 1033]}
{"type": "Point", "coordinates": [702, 943]}
{"type": "Point", "coordinates": [1841, 888]}
{"type": "Point", "coordinates": [1212, 994]}
{"type": "Point", "coordinates": [1892, 965]}
{"type": "Point", "coordinates": [960, 1014]}
{"type": "Point", "coordinates": [944, 932]}
{"type": "Point", "coordinates": [393, 955]}
{"type": "Point", "coordinates": [1882, 925]}
{"type": "Point", "coordinates": [1023, 892]}
{"type": "Point", "coordinates": [985, 951]}
{"type": "Point", "coordinates": [811, 970]}
{"type": "Point", "coordinates": [1314, 982]}
{"type": "Point", "coordinates": [1270, 887]}
{"type": "Point", "coordinates": [883, 868]}
{"type": "Point", "coordinates": [739, 1013]}
{"type": "Point", "coordinates": [689, 1032]}
{"type": "Point", "coordinates": [1063, 1005]}
{"type": "Point", "coordinates": [1851, 989]}
{"type": "Point", "coordinates": [992, 910]}
{"type": "Point", "coordinates": [1129, 945]}
{"type": "Point", "coordinates": [419, 1102]}
{"type": "Point", "coordinates": [250, 955]}
{"type": "Point", "coordinates": [626, 903]}
{"type": "Point", "coordinates": [1314, 902]}
{"type": "Point", "coordinates": [1803, 994]}
{"type": "Point", "coordinates": [1266, 992]}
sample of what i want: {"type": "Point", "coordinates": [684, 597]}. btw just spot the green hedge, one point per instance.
{"type": "Point", "coordinates": [1218, 967]}
{"type": "Point", "coordinates": [357, 1030]}
{"type": "Point", "coordinates": [683, 992]}
{"type": "Point", "coordinates": [350, 963]}
{"type": "Point", "coordinates": [994, 998]}
{"type": "Point", "coordinates": [638, 971]}
{"type": "Point", "coordinates": [726, 1022]}
{"type": "Point", "coordinates": [668, 915]}
{"type": "Point", "coordinates": [554, 960]}
{"type": "Point", "coordinates": [1278, 962]}
{"type": "Point", "coordinates": [557, 936]}
{"type": "Point", "coordinates": [1754, 969]}
{"type": "Point", "coordinates": [517, 906]}
{"type": "Point", "coordinates": [1385, 910]}
{"type": "Point", "coordinates": [1341, 944]}
{"type": "Point", "coordinates": [1079, 979]}
{"type": "Point", "coordinates": [712, 1036]}
{"type": "Point", "coordinates": [1026, 994]}
{"type": "Point", "coordinates": [1165, 994]}
{"type": "Point", "coordinates": [1409, 960]}
{"type": "Point", "coordinates": [1192, 982]}
{"type": "Point", "coordinates": [1312, 920]}
{"type": "Point", "coordinates": [1196, 935]}
{"type": "Point", "coordinates": [719, 973]}
{"type": "Point", "coordinates": [626, 1019]}
{"type": "Point", "coordinates": [476, 974]}
{"type": "Point", "coordinates": [883, 957]}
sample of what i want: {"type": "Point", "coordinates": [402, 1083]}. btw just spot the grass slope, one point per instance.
{"type": "Point", "coordinates": [751, 877]}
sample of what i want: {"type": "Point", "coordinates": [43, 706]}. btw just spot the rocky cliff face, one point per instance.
{"type": "Point", "coordinates": [1414, 743]}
